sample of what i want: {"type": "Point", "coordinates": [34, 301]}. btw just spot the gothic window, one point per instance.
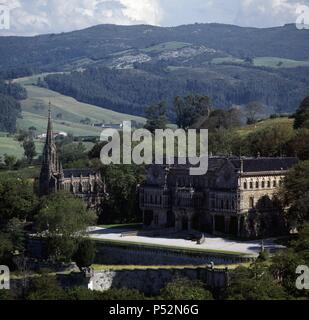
{"type": "Point", "coordinates": [245, 185]}
{"type": "Point", "coordinates": [268, 184]}
{"type": "Point", "coordinates": [275, 184]}
{"type": "Point", "coordinates": [257, 185]}
{"type": "Point", "coordinates": [251, 202]}
{"type": "Point", "coordinates": [156, 220]}
{"type": "Point", "coordinates": [251, 185]}
{"type": "Point", "coordinates": [263, 184]}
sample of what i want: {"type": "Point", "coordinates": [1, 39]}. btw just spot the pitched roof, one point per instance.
{"type": "Point", "coordinates": [68, 173]}
{"type": "Point", "coordinates": [265, 164]}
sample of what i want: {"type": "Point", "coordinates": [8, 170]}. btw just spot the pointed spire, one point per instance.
{"type": "Point", "coordinates": [49, 135]}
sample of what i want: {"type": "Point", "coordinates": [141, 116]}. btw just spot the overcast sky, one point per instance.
{"type": "Point", "coordinates": [29, 17]}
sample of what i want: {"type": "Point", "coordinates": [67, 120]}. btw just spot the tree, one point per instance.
{"type": "Point", "coordinates": [302, 115]}
{"type": "Point", "coordinates": [29, 148]}
{"type": "Point", "coordinates": [295, 193]}
{"type": "Point", "coordinates": [9, 161]}
{"type": "Point", "coordinates": [283, 268]}
{"type": "Point", "coordinates": [254, 283]}
{"type": "Point", "coordinates": [72, 152]}
{"type": "Point", "coordinates": [6, 248]}
{"type": "Point", "coordinates": [253, 110]}
{"type": "Point", "coordinates": [85, 254]}
{"type": "Point", "coordinates": [122, 204]}
{"type": "Point", "coordinates": [185, 289]}
{"type": "Point", "coordinates": [156, 117]}
{"type": "Point", "coordinates": [17, 199]}
{"type": "Point", "coordinates": [269, 142]}
{"type": "Point", "coordinates": [221, 142]}
{"type": "Point", "coordinates": [15, 230]}
{"type": "Point", "coordinates": [299, 144]}
{"type": "Point", "coordinates": [45, 288]}
{"type": "Point", "coordinates": [190, 109]}
{"type": "Point", "coordinates": [64, 219]}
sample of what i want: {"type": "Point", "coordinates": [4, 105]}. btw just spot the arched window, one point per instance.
{"type": "Point", "coordinates": [251, 202]}
{"type": "Point", "coordinates": [245, 185]}
{"type": "Point", "coordinates": [257, 185]}
{"type": "Point", "coordinates": [263, 184]}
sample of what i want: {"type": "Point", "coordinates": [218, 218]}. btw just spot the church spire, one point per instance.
{"type": "Point", "coordinates": [51, 171]}
{"type": "Point", "coordinates": [49, 134]}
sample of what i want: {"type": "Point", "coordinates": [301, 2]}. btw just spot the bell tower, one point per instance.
{"type": "Point", "coordinates": [51, 171]}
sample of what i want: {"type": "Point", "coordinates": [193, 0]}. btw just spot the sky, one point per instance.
{"type": "Point", "coordinates": [31, 17]}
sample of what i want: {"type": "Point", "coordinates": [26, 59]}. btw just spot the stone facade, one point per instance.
{"type": "Point", "coordinates": [85, 183]}
{"type": "Point", "coordinates": [236, 197]}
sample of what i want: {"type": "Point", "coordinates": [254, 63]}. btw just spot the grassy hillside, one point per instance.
{"type": "Point", "coordinates": [244, 131]}
{"type": "Point", "coordinates": [10, 146]}
{"type": "Point", "coordinates": [35, 109]}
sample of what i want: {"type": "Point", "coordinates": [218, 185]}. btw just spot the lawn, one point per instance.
{"type": "Point", "coordinates": [101, 267]}
{"type": "Point", "coordinates": [136, 226]}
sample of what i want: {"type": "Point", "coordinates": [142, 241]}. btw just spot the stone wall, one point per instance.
{"type": "Point", "coordinates": [114, 254]}
{"type": "Point", "coordinates": [151, 281]}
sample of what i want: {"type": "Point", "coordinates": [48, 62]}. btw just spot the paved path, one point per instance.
{"type": "Point", "coordinates": [211, 243]}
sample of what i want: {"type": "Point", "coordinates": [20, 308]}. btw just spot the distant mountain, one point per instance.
{"type": "Point", "coordinates": [125, 68]}
{"type": "Point", "coordinates": [56, 50]}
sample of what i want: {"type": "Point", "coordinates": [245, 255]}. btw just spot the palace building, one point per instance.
{"type": "Point", "coordinates": [86, 184]}
{"type": "Point", "coordinates": [236, 197]}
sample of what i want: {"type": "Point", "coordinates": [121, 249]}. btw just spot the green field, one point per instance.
{"type": "Point", "coordinates": [12, 147]}
{"type": "Point", "coordinates": [244, 131]}
{"type": "Point", "coordinates": [273, 62]}
{"type": "Point", "coordinates": [227, 60]}
{"type": "Point", "coordinates": [166, 46]}
{"type": "Point", "coordinates": [269, 62]}
{"type": "Point", "coordinates": [31, 172]}
{"type": "Point", "coordinates": [66, 111]}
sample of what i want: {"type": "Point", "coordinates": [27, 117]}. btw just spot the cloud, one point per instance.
{"type": "Point", "coordinates": [45, 16]}
{"type": "Point", "coordinates": [30, 17]}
